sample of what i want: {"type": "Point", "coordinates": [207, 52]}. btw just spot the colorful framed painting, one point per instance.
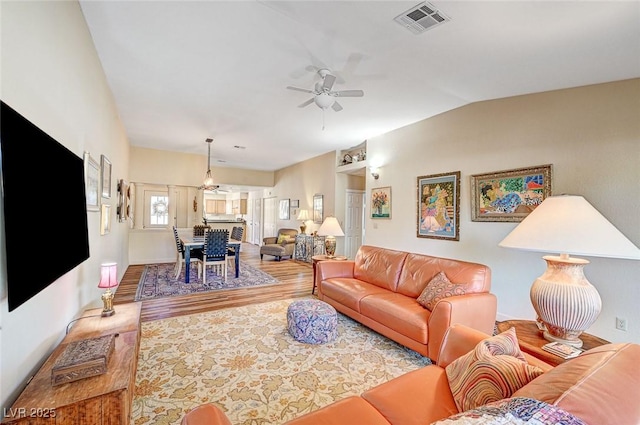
{"type": "Point", "coordinates": [509, 195]}
{"type": "Point", "coordinates": [439, 206]}
{"type": "Point", "coordinates": [381, 202]}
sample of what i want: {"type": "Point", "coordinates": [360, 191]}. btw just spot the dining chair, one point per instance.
{"type": "Point", "coordinates": [199, 229]}
{"type": "Point", "coordinates": [214, 252]}
{"type": "Point", "coordinates": [180, 257]}
{"type": "Point", "coordinates": [236, 233]}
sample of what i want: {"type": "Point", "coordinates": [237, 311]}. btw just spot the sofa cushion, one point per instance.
{"type": "Point", "coordinates": [438, 288]}
{"type": "Point", "coordinates": [379, 266]}
{"type": "Point", "coordinates": [350, 410]}
{"type": "Point", "coordinates": [600, 386]}
{"type": "Point", "coordinates": [348, 291]}
{"type": "Point", "coordinates": [419, 269]}
{"type": "Point", "coordinates": [517, 410]}
{"type": "Point", "coordinates": [399, 313]}
{"type": "Point", "coordinates": [493, 370]}
{"type": "Point", "coordinates": [282, 238]}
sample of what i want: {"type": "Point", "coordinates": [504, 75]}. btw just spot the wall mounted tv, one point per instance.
{"type": "Point", "coordinates": [45, 211]}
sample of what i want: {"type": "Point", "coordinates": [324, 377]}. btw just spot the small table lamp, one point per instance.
{"type": "Point", "coordinates": [303, 216]}
{"type": "Point", "coordinates": [108, 279]}
{"type": "Point", "coordinates": [330, 228]}
{"type": "Point", "coordinates": [564, 300]}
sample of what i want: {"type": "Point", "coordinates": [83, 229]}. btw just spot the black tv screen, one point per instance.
{"type": "Point", "coordinates": [45, 210]}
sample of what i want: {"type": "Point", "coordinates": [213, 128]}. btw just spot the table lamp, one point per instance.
{"type": "Point", "coordinates": [303, 216]}
{"type": "Point", "coordinates": [565, 301]}
{"type": "Point", "coordinates": [330, 228]}
{"type": "Point", "coordinates": [108, 279]}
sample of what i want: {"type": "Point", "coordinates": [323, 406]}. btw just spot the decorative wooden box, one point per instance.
{"type": "Point", "coordinates": [83, 359]}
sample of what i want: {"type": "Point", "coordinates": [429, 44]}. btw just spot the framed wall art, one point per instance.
{"type": "Point", "coordinates": [295, 203]}
{"type": "Point", "coordinates": [439, 206]}
{"type": "Point", "coordinates": [92, 182]}
{"type": "Point", "coordinates": [318, 209]}
{"type": "Point", "coordinates": [283, 209]}
{"type": "Point", "coordinates": [105, 219]}
{"type": "Point", "coordinates": [105, 165]}
{"type": "Point", "coordinates": [509, 195]}
{"type": "Point", "coordinates": [381, 202]}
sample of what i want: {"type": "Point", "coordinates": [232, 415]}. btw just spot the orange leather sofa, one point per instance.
{"type": "Point", "coordinates": [380, 286]}
{"type": "Point", "coordinates": [599, 387]}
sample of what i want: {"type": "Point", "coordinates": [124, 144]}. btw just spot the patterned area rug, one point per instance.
{"type": "Point", "coordinates": [244, 361]}
{"type": "Point", "coordinates": [157, 280]}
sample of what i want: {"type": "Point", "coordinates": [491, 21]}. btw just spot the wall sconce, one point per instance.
{"type": "Point", "coordinates": [375, 173]}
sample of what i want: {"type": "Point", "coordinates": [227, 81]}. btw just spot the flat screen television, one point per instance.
{"type": "Point", "coordinates": [45, 210]}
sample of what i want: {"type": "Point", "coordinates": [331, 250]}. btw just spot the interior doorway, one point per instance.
{"type": "Point", "coordinates": [269, 216]}
{"type": "Point", "coordinates": [354, 222]}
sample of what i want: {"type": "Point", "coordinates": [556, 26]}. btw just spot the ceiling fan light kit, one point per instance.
{"type": "Point", "coordinates": [323, 95]}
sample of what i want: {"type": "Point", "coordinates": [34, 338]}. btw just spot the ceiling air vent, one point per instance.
{"type": "Point", "coordinates": [422, 17]}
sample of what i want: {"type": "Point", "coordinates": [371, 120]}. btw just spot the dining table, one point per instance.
{"type": "Point", "coordinates": [193, 242]}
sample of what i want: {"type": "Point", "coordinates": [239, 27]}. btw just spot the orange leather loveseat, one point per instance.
{"type": "Point", "coordinates": [380, 287]}
{"type": "Point", "coordinates": [599, 387]}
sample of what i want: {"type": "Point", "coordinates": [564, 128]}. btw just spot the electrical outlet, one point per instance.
{"type": "Point", "coordinates": [621, 324]}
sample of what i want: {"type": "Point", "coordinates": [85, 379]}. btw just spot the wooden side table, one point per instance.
{"type": "Point", "coordinates": [531, 340]}
{"type": "Point", "coordinates": [316, 259]}
{"type": "Point", "coordinates": [103, 399]}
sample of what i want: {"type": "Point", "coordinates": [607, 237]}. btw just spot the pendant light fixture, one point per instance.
{"type": "Point", "coordinates": [208, 178]}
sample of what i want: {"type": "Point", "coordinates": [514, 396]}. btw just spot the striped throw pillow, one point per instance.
{"type": "Point", "coordinates": [493, 370]}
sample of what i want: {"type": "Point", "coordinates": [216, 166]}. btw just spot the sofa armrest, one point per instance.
{"type": "Point", "coordinates": [206, 414]}
{"type": "Point", "coordinates": [329, 269]}
{"type": "Point", "coordinates": [477, 311]}
{"type": "Point", "coordinates": [270, 240]}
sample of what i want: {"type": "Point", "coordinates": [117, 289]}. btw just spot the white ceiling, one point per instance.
{"type": "Point", "coordinates": [183, 71]}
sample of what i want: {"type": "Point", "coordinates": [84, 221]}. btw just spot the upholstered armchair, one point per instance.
{"type": "Point", "coordinates": [279, 246]}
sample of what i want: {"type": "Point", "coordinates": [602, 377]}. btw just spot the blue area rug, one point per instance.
{"type": "Point", "coordinates": [158, 280]}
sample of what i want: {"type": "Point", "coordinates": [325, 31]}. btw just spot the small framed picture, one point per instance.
{"type": "Point", "coordinates": [295, 203]}
{"type": "Point", "coordinates": [105, 165]}
{"type": "Point", "coordinates": [92, 182]}
{"type": "Point", "coordinates": [318, 209]}
{"type": "Point", "coordinates": [284, 209]}
{"type": "Point", "coordinates": [381, 202]}
{"type": "Point", "coordinates": [105, 219]}
{"type": "Point", "coordinates": [509, 195]}
{"type": "Point", "coordinates": [439, 206]}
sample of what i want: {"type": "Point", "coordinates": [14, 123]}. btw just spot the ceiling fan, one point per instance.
{"type": "Point", "coordinates": [323, 96]}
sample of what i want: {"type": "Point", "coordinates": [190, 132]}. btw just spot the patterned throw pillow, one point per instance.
{"type": "Point", "coordinates": [438, 288]}
{"type": "Point", "coordinates": [282, 238]}
{"type": "Point", "coordinates": [493, 370]}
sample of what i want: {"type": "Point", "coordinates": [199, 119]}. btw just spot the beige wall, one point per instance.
{"type": "Point", "coordinates": [591, 135]}
{"type": "Point", "coordinates": [176, 168]}
{"type": "Point", "coordinates": [51, 74]}
{"type": "Point", "coordinates": [303, 180]}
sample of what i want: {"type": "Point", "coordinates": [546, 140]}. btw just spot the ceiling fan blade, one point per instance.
{"type": "Point", "coordinates": [328, 81]}
{"type": "Point", "coordinates": [348, 93]}
{"type": "Point", "coordinates": [299, 89]}
{"type": "Point", "coordinates": [307, 103]}
{"type": "Point", "coordinates": [336, 107]}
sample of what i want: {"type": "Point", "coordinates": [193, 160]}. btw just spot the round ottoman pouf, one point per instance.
{"type": "Point", "coordinates": [312, 321]}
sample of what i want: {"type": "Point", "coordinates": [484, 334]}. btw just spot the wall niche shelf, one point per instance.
{"type": "Point", "coordinates": [352, 160]}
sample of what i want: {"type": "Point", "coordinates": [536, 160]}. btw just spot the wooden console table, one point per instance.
{"type": "Point", "coordinates": [103, 399]}
{"type": "Point", "coordinates": [531, 340]}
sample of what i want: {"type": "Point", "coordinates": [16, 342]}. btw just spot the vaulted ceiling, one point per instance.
{"type": "Point", "coordinates": [184, 71]}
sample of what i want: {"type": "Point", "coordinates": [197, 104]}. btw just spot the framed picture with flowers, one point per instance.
{"type": "Point", "coordinates": [381, 202]}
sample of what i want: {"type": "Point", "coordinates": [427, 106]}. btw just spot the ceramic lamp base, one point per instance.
{"type": "Point", "coordinates": [566, 303]}
{"type": "Point", "coordinates": [330, 246]}
{"type": "Point", "coordinates": [107, 300]}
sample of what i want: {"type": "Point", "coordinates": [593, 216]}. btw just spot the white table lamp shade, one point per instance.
{"type": "Point", "coordinates": [303, 215]}
{"type": "Point", "coordinates": [566, 303]}
{"type": "Point", "coordinates": [570, 225]}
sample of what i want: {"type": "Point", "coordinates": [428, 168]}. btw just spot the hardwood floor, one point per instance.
{"type": "Point", "coordinates": [296, 278]}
